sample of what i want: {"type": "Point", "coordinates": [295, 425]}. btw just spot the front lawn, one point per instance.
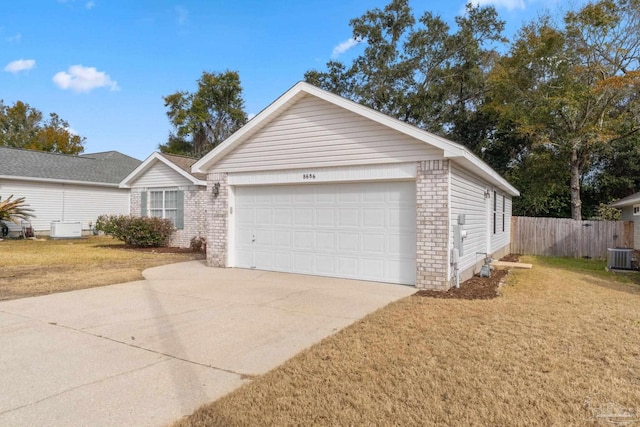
{"type": "Point", "coordinates": [560, 346]}
{"type": "Point", "coordinates": [37, 267]}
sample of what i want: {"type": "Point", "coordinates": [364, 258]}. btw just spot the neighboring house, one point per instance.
{"type": "Point", "coordinates": [317, 184]}
{"type": "Point", "coordinates": [163, 186]}
{"type": "Point", "coordinates": [65, 188]}
{"type": "Point", "coordinates": [630, 207]}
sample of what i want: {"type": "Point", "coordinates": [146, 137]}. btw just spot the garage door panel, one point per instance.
{"type": "Point", "coordinates": [374, 243]}
{"type": "Point", "coordinates": [263, 216]}
{"type": "Point", "coordinates": [263, 259]}
{"type": "Point", "coordinates": [282, 261]}
{"type": "Point", "coordinates": [303, 263]}
{"type": "Point", "coordinates": [373, 217]}
{"type": "Point", "coordinates": [326, 265]}
{"type": "Point", "coordinates": [348, 242]}
{"type": "Point", "coordinates": [348, 217]}
{"type": "Point", "coordinates": [325, 217]}
{"type": "Point", "coordinates": [303, 239]}
{"type": "Point", "coordinates": [372, 268]}
{"type": "Point", "coordinates": [282, 239]}
{"type": "Point", "coordinates": [303, 217]}
{"type": "Point", "coordinates": [401, 244]}
{"type": "Point", "coordinates": [356, 230]}
{"type": "Point", "coordinates": [325, 241]}
{"type": "Point", "coordinates": [282, 216]}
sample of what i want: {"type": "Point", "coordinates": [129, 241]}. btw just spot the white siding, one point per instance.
{"type": "Point", "coordinates": [316, 133]}
{"type": "Point", "coordinates": [467, 197]}
{"type": "Point", "coordinates": [67, 202]}
{"type": "Point", "coordinates": [159, 175]}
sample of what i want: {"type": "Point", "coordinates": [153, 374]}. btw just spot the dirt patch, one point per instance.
{"type": "Point", "coordinates": [511, 258]}
{"type": "Point", "coordinates": [475, 288]}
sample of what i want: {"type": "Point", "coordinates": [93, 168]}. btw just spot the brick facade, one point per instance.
{"type": "Point", "coordinates": [218, 208]}
{"type": "Point", "coordinates": [432, 227]}
{"type": "Point", "coordinates": [195, 213]}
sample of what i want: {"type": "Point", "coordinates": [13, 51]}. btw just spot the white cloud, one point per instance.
{"type": "Point", "coordinates": [84, 79]}
{"type": "Point", "coordinates": [20, 65]}
{"type": "Point", "coordinates": [15, 38]}
{"type": "Point", "coordinates": [507, 4]}
{"type": "Point", "coordinates": [90, 4]}
{"type": "Point", "coordinates": [345, 46]}
{"type": "Point", "coordinates": [183, 15]}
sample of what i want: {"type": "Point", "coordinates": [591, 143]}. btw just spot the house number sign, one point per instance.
{"type": "Point", "coordinates": [309, 176]}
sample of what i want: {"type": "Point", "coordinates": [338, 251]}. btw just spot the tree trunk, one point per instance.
{"type": "Point", "coordinates": [576, 202]}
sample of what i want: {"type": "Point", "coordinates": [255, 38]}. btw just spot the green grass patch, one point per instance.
{"type": "Point", "coordinates": [591, 267]}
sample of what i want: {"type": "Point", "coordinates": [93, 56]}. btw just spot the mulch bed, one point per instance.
{"type": "Point", "coordinates": [475, 288]}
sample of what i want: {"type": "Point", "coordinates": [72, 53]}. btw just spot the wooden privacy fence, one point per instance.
{"type": "Point", "coordinates": [566, 237]}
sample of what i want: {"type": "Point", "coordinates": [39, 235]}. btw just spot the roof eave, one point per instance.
{"type": "Point", "coordinates": [146, 165]}
{"type": "Point", "coordinates": [60, 181]}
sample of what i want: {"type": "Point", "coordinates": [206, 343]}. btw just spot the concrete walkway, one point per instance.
{"type": "Point", "coordinates": [149, 352]}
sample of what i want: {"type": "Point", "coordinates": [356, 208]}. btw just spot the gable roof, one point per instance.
{"type": "Point", "coordinates": [631, 200]}
{"type": "Point", "coordinates": [451, 150]}
{"type": "Point", "coordinates": [105, 169]}
{"type": "Point", "coordinates": [180, 164]}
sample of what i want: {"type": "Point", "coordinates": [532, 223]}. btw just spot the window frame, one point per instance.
{"type": "Point", "coordinates": [161, 212]}
{"type": "Point", "coordinates": [636, 210]}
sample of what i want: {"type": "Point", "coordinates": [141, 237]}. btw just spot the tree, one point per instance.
{"type": "Point", "coordinates": [15, 210]}
{"type": "Point", "coordinates": [22, 126]}
{"type": "Point", "coordinates": [572, 89]}
{"type": "Point", "coordinates": [420, 71]}
{"type": "Point", "coordinates": [202, 120]}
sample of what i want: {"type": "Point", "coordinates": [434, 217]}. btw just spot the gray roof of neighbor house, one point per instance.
{"type": "Point", "coordinates": [627, 201]}
{"type": "Point", "coordinates": [108, 167]}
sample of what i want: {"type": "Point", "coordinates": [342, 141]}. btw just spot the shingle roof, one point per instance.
{"type": "Point", "coordinates": [108, 167]}
{"type": "Point", "coordinates": [185, 164]}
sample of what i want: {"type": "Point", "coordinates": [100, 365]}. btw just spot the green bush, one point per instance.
{"type": "Point", "coordinates": [136, 231]}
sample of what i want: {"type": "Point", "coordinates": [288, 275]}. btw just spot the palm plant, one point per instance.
{"type": "Point", "coordinates": [15, 210]}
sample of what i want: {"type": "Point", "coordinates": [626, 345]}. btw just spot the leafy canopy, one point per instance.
{"type": "Point", "coordinates": [205, 118]}
{"type": "Point", "coordinates": [22, 126]}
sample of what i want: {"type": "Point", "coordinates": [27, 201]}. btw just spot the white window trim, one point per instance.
{"type": "Point", "coordinates": [636, 210]}
{"type": "Point", "coordinates": [164, 208]}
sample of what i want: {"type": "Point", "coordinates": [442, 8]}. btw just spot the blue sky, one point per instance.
{"type": "Point", "coordinates": [104, 65]}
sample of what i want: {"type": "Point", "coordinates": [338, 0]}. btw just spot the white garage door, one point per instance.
{"type": "Point", "coordinates": [361, 230]}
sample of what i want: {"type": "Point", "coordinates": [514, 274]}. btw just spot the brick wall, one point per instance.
{"type": "Point", "coordinates": [217, 206]}
{"type": "Point", "coordinates": [195, 213]}
{"type": "Point", "coordinates": [432, 228]}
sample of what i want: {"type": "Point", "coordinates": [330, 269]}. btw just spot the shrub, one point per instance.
{"type": "Point", "coordinates": [198, 244]}
{"type": "Point", "coordinates": [136, 231]}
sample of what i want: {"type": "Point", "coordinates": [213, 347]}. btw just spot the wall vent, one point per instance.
{"type": "Point", "coordinates": [619, 259]}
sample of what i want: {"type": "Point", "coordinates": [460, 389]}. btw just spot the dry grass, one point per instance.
{"type": "Point", "coordinates": [556, 348]}
{"type": "Point", "coordinates": [37, 267]}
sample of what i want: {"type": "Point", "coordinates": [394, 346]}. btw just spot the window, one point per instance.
{"type": "Point", "coordinates": [495, 212]}
{"type": "Point", "coordinates": [166, 204]}
{"type": "Point", "coordinates": [636, 209]}
{"type": "Point", "coordinates": [503, 212]}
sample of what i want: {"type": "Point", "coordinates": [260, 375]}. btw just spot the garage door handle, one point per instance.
{"type": "Point", "coordinates": [253, 239]}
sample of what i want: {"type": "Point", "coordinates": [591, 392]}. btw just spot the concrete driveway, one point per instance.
{"type": "Point", "coordinates": [149, 352]}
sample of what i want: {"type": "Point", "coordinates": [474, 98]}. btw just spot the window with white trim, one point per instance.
{"type": "Point", "coordinates": [636, 209]}
{"type": "Point", "coordinates": [164, 204]}
{"type": "Point", "coordinates": [495, 212]}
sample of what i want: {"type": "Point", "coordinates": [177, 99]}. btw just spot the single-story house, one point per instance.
{"type": "Point", "coordinates": [65, 189]}
{"type": "Point", "coordinates": [317, 184]}
{"type": "Point", "coordinates": [164, 186]}
{"type": "Point", "coordinates": [630, 207]}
